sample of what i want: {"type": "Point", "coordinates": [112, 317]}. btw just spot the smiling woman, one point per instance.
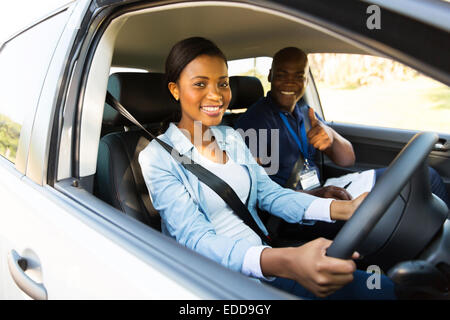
{"type": "Point", "coordinates": [202, 85]}
{"type": "Point", "coordinates": [197, 75]}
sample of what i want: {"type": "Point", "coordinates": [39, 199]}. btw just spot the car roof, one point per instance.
{"type": "Point", "coordinates": [240, 30]}
{"type": "Point", "coordinates": [432, 12]}
{"type": "Point", "coordinates": [244, 29]}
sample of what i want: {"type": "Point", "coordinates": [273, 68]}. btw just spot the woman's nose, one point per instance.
{"type": "Point", "coordinates": [214, 94]}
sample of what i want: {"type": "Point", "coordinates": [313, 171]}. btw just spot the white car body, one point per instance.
{"type": "Point", "coordinates": [72, 250]}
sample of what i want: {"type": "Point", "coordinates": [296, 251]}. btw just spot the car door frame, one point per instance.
{"type": "Point", "coordinates": [16, 171]}
{"type": "Point", "coordinates": [178, 264]}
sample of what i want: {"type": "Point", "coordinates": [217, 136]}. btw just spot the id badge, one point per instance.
{"type": "Point", "coordinates": [308, 178]}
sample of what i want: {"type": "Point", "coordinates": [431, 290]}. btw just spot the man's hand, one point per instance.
{"type": "Point", "coordinates": [320, 135]}
{"type": "Point", "coordinates": [325, 139]}
{"type": "Point", "coordinates": [330, 192]}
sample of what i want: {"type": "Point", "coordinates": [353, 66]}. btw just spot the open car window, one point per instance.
{"type": "Point", "coordinates": [375, 91]}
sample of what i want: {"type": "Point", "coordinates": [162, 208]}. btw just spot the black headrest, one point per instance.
{"type": "Point", "coordinates": [245, 91]}
{"type": "Point", "coordinates": [144, 95]}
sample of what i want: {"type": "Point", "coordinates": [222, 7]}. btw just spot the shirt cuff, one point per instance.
{"type": "Point", "coordinates": [319, 209]}
{"type": "Point", "coordinates": [251, 266]}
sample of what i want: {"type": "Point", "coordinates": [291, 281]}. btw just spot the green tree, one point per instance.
{"type": "Point", "coordinates": [9, 137]}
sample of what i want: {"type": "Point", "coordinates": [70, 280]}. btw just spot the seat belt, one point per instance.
{"type": "Point", "coordinates": [207, 177]}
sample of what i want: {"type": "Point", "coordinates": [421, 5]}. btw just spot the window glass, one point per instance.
{"type": "Point", "coordinates": [24, 62]}
{"type": "Point", "coordinates": [18, 15]}
{"type": "Point", "coordinates": [375, 91]}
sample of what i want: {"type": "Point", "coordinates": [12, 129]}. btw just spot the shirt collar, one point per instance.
{"type": "Point", "coordinates": [178, 139]}
{"type": "Point", "coordinates": [184, 145]}
{"type": "Point", "coordinates": [276, 109]}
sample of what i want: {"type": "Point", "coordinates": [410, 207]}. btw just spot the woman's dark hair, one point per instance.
{"type": "Point", "coordinates": [187, 50]}
{"type": "Point", "coordinates": [181, 54]}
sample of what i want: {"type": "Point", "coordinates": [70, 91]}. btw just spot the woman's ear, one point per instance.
{"type": "Point", "coordinates": [173, 88]}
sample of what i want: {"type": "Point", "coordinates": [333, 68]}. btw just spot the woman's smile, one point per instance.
{"type": "Point", "coordinates": [211, 110]}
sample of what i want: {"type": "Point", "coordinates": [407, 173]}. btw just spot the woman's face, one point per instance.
{"type": "Point", "coordinates": [203, 91]}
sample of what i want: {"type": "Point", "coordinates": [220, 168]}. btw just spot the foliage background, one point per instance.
{"type": "Point", "coordinates": [375, 91]}
{"type": "Point", "coordinates": [9, 137]}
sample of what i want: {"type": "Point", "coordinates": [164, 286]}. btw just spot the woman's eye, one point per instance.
{"type": "Point", "coordinates": [199, 84]}
{"type": "Point", "coordinates": [225, 85]}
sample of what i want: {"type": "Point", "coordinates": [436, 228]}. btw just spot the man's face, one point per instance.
{"type": "Point", "coordinates": [288, 78]}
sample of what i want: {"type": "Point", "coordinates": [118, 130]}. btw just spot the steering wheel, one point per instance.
{"type": "Point", "coordinates": [386, 189]}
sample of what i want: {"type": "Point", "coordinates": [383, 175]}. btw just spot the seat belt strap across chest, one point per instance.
{"type": "Point", "coordinates": [207, 177]}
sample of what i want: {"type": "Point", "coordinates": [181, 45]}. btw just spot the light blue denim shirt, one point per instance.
{"type": "Point", "coordinates": [177, 194]}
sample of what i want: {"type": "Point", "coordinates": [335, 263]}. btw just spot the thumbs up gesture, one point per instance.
{"type": "Point", "coordinates": [320, 135]}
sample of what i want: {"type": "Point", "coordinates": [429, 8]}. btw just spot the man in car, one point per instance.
{"type": "Point", "coordinates": [284, 109]}
{"type": "Point", "coordinates": [281, 109]}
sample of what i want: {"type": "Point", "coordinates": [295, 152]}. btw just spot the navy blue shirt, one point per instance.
{"type": "Point", "coordinates": [265, 114]}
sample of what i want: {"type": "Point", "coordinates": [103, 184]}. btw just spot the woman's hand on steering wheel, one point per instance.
{"type": "Point", "coordinates": [309, 266]}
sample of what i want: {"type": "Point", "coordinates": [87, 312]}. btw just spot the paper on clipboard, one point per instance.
{"type": "Point", "coordinates": [360, 182]}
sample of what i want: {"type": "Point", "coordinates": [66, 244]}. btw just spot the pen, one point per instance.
{"type": "Point", "coordinates": [346, 186]}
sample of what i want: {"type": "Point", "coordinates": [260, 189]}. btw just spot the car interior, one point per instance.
{"type": "Point", "coordinates": [133, 39]}
{"type": "Point", "coordinates": [147, 99]}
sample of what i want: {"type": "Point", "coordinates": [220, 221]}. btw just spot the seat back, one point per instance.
{"type": "Point", "coordinates": [245, 90]}
{"type": "Point", "coordinates": [119, 179]}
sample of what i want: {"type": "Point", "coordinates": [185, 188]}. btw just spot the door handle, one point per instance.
{"type": "Point", "coordinates": [442, 146]}
{"type": "Point", "coordinates": [17, 267]}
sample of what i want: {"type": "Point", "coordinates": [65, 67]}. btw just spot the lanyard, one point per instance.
{"type": "Point", "coordinates": [295, 136]}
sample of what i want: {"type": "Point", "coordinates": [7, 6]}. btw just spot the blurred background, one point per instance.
{"type": "Point", "coordinates": [380, 92]}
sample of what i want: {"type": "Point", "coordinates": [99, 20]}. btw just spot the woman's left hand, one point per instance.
{"type": "Point", "coordinates": [357, 202]}
{"type": "Point", "coordinates": [343, 210]}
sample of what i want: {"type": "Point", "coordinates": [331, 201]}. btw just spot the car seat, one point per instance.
{"type": "Point", "coordinates": [245, 90]}
{"type": "Point", "coordinates": [119, 180]}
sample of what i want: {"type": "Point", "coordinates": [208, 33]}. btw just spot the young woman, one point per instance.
{"type": "Point", "coordinates": [193, 214]}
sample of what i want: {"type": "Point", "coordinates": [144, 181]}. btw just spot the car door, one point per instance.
{"type": "Point", "coordinates": [67, 253]}
{"type": "Point", "coordinates": [21, 79]}
{"type": "Point", "coordinates": [59, 241]}
{"type": "Point", "coordinates": [376, 147]}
